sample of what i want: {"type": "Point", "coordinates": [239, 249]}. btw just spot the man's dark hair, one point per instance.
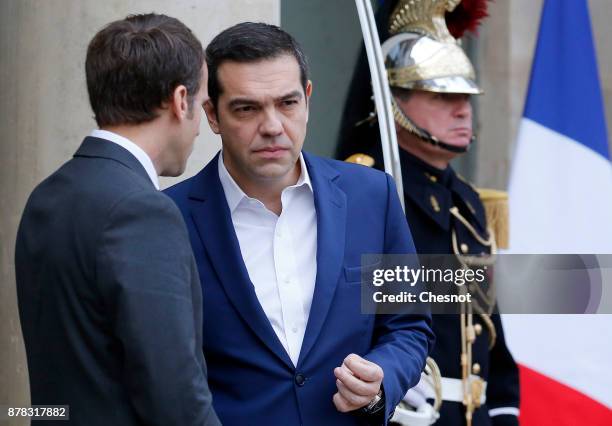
{"type": "Point", "coordinates": [134, 65]}
{"type": "Point", "coordinates": [250, 42]}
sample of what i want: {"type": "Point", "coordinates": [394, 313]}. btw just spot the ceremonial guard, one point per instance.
{"type": "Point", "coordinates": [473, 378]}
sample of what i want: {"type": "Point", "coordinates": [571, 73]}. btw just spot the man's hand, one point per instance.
{"type": "Point", "coordinates": [358, 381]}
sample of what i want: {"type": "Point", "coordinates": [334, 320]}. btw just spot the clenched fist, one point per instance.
{"type": "Point", "coordinates": [358, 381]}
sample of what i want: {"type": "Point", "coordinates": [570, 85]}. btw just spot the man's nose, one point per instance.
{"type": "Point", "coordinates": [271, 124]}
{"type": "Point", "coordinates": [463, 108]}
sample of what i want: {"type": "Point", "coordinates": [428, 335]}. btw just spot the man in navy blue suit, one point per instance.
{"type": "Point", "coordinates": [109, 296]}
{"type": "Point", "coordinates": [278, 236]}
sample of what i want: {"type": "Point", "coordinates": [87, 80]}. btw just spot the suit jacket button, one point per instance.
{"type": "Point", "coordinates": [300, 379]}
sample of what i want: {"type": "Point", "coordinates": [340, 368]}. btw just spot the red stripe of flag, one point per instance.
{"type": "Point", "coordinates": [547, 402]}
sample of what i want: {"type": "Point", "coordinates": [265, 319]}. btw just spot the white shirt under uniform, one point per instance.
{"type": "Point", "coordinates": [280, 253]}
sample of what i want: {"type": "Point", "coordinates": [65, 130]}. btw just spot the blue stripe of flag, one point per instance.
{"type": "Point", "coordinates": [564, 90]}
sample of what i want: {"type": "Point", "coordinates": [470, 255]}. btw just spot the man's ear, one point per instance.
{"type": "Point", "coordinates": [308, 93]}
{"type": "Point", "coordinates": [211, 115]}
{"type": "Point", "coordinates": [180, 103]}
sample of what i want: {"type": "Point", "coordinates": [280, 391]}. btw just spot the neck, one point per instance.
{"type": "Point", "coordinates": [268, 191]}
{"type": "Point", "coordinates": [147, 136]}
{"type": "Point", "coordinates": [433, 155]}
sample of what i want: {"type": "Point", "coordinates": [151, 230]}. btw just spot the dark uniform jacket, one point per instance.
{"type": "Point", "coordinates": [429, 195]}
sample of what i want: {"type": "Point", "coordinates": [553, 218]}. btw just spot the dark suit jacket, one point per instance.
{"type": "Point", "coordinates": [251, 375]}
{"type": "Point", "coordinates": [109, 296]}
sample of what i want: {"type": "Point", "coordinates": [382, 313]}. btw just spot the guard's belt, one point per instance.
{"type": "Point", "coordinates": [452, 390]}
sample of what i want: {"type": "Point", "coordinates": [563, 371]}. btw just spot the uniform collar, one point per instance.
{"type": "Point", "coordinates": [435, 191]}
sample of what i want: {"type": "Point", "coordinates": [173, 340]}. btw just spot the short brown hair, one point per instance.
{"type": "Point", "coordinates": [134, 65]}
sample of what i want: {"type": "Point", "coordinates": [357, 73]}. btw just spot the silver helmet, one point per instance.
{"type": "Point", "coordinates": [422, 55]}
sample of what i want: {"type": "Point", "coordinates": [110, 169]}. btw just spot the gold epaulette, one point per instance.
{"type": "Point", "coordinates": [363, 159]}
{"type": "Point", "coordinates": [496, 207]}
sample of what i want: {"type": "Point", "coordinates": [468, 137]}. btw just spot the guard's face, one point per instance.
{"type": "Point", "coordinates": [447, 116]}
{"type": "Point", "coordinates": [261, 116]}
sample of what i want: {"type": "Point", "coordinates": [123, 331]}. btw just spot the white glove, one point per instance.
{"type": "Point", "coordinates": [418, 395]}
{"type": "Point", "coordinates": [421, 412]}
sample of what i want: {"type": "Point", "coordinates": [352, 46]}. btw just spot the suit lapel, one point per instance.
{"type": "Point", "coordinates": [330, 204]}
{"type": "Point", "coordinates": [213, 221]}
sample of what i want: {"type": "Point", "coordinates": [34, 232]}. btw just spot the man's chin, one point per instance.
{"type": "Point", "coordinates": [458, 142]}
{"type": "Point", "coordinates": [273, 170]}
{"type": "Point", "coordinates": [174, 171]}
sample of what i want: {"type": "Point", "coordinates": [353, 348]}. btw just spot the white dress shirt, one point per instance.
{"type": "Point", "coordinates": [134, 149]}
{"type": "Point", "coordinates": [280, 253]}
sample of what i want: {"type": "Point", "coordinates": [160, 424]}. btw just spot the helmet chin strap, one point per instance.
{"type": "Point", "coordinates": [402, 119]}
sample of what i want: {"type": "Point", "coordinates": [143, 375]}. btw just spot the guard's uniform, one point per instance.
{"type": "Point", "coordinates": [429, 195]}
{"type": "Point", "coordinates": [445, 214]}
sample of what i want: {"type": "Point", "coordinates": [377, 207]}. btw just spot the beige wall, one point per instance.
{"type": "Point", "coordinates": [506, 46]}
{"type": "Point", "coordinates": [44, 114]}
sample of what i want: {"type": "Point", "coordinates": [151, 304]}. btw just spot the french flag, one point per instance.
{"type": "Point", "coordinates": [561, 202]}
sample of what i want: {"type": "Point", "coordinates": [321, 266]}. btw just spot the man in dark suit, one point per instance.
{"type": "Point", "coordinates": [108, 290]}
{"type": "Point", "coordinates": [278, 236]}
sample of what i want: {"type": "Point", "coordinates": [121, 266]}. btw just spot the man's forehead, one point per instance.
{"type": "Point", "coordinates": [273, 77]}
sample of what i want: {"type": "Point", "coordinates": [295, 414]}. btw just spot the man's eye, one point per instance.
{"type": "Point", "coordinates": [246, 108]}
{"type": "Point", "coordinates": [289, 102]}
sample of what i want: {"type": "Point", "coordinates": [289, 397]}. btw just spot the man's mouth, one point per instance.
{"type": "Point", "coordinates": [271, 152]}
{"type": "Point", "coordinates": [272, 149]}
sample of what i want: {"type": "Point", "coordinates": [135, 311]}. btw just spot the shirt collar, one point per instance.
{"type": "Point", "coordinates": [134, 149]}
{"type": "Point", "coordinates": [234, 194]}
